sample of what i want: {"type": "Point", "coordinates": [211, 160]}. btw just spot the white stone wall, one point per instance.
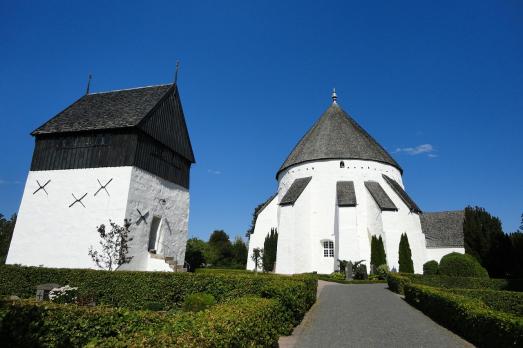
{"type": "Point", "coordinates": [315, 217]}
{"type": "Point", "coordinates": [170, 202]}
{"type": "Point", "coordinates": [267, 219]}
{"type": "Point", "coordinates": [51, 234]}
{"type": "Point", "coordinates": [438, 253]}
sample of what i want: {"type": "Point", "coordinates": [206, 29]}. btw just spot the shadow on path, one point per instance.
{"type": "Point", "coordinates": [367, 315]}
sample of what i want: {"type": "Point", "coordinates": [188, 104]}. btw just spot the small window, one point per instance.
{"type": "Point", "coordinates": [342, 164]}
{"type": "Point", "coordinates": [328, 248]}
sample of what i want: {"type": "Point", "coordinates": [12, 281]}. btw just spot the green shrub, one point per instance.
{"type": "Point", "coordinates": [135, 290]}
{"type": "Point", "coordinates": [504, 301]}
{"type": "Point", "coordinates": [361, 272]}
{"type": "Point", "coordinates": [430, 267]}
{"type": "Point", "coordinates": [469, 318]}
{"type": "Point", "coordinates": [440, 281]}
{"type": "Point", "coordinates": [405, 255]}
{"type": "Point", "coordinates": [154, 306]}
{"type": "Point", "coordinates": [382, 271]}
{"type": "Point", "coordinates": [248, 321]}
{"type": "Point", "coordinates": [461, 265]}
{"type": "Point", "coordinates": [337, 276]}
{"type": "Point", "coordinates": [397, 282]}
{"type": "Point", "coordinates": [198, 302]}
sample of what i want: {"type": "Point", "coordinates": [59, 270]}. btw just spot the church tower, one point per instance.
{"type": "Point", "coordinates": [116, 155]}
{"type": "Point", "coordinates": [336, 189]}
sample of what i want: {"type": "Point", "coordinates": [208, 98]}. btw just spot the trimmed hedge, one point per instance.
{"type": "Point", "coordinates": [137, 290]}
{"type": "Point", "coordinates": [461, 265]}
{"type": "Point", "coordinates": [328, 278]}
{"type": "Point", "coordinates": [430, 267]}
{"type": "Point", "coordinates": [248, 321]}
{"type": "Point", "coordinates": [504, 301]}
{"type": "Point", "coordinates": [470, 318]}
{"type": "Point", "coordinates": [397, 280]}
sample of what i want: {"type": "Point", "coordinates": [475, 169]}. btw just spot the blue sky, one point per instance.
{"type": "Point", "coordinates": [439, 84]}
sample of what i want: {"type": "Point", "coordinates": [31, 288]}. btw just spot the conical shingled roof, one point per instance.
{"type": "Point", "coordinates": [337, 136]}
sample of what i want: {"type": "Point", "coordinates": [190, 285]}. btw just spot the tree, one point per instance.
{"type": "Point", "coordinates": [239, 252]}
{"type": "Point", "coordinates": [516, 241]}
{"type": "Point", "coordinates": [257, 256]}
{"type": "Point", "coordinates": [381, 252]}
{"type": "Point", "coordinates": [270, 248]}
{"type": "Point", "coordinates": [377, 252]}
{"type": "Point", "coordinates": [405, 255]}
{"type": "Point", "coordinates": [114, 246]}
{"type": "Point", "coordinates": [6, 233]}
{"type": "Point", "coordinates": [374, 251]}
{"type": "Point", "coordinates": [195, 253]}
{"type": "Point", "coordinates": [220, 249]}
{"type": "Point", "coordinates": [485, 240]}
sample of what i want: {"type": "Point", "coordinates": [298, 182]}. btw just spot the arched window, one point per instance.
{"type": "Point", "coordinates": [328, 248]}
{"type": "Point", "coordinates": [342, 164]}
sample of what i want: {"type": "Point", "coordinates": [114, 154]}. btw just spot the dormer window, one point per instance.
{"type": "Point", "coordinates": [342, 164]}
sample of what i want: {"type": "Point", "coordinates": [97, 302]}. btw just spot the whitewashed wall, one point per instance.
{"type": "Point", "coordinates": [155, 196]}
{"type": "Point", "coordinates": [51, 234]}
{"type": "Point", "coordinates": [267, 219]}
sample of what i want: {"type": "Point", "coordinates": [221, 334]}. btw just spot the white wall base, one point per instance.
{"type": "Point", "coordinates": [49, 233]}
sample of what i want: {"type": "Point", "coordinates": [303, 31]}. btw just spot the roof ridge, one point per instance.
{"type": "Point", "coordinates": [132, 88]}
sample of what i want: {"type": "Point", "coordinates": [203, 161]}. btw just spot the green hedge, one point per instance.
{"type": "Point", "coordinates": [396, 281]}
{"type": "Point", "coordinates": [504, 301]}
{"type": "Point", "coordinates": [137, 290]}
{"type": "Point", "coordinates": [328, 278]}
{"type": "Point", "coordinates": [248, 321]}
{"type": "Point", "coordinates": [461, 265]}
{"type": "Point", "coordinates": [470, 318]}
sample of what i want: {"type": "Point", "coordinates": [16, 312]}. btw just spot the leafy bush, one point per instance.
{"type": "Point", "coordinates": [361, 272]}
{"type": "Point", "coordinates": [248, 321]}
{"type": "Point", "coordinates": [382, 271]}
{"type": "Point", "coordinates": [396, 282]}
{"type": "Point", "coordinates": [337, 276]}
{"type": "Point", "coordinates": [468, 317]}
{"type": "Point", "coordinates": [135, 290]}
{"type": "Point", "coordinates": [461, 265]}
{"type": "Point", "coordinates": [198, 302]}
{"type": "Point", "coordinates": [504, 301]}
{"type": "Point", "coordinates": [430, 267]}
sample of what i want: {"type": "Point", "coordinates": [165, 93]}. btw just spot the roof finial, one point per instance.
{"type": "Point", "coordinates": [176, 73]}
{"type": "Point", "coordinates": [88, 84]}
{"type": "Point", "coordinates": [334, 96]}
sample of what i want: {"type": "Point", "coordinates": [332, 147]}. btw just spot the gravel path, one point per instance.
{"type": "Point", "coordinates": [367, 316]}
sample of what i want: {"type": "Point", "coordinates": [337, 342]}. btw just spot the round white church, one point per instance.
{"type": "Point", "coordinates": [337, 189]}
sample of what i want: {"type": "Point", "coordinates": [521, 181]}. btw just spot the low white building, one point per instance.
{"type": "Point", "coordinates": [337, 189]}
{"type": "Point", "coordinates": [109, 156]}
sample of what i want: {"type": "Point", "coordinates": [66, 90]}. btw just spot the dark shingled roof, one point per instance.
{"type": "Point", "coordinates": [403, 195]}
{"type": "Point", "coordinates": [380, 197]}
{"type": "Point", "coordinates": [295, 190]}
{"type": "Point", "coordinates": [337, 136]}
{"type": "Point", "coordinates": [345, 194]}
{"type": "Point", "coordinates": [116, 109]}
{"type": "Point", "coordinates": [443, 229]}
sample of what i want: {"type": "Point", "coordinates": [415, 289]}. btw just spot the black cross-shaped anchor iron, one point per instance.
{"type": "Point", "coordinates": [78, 200]}
{"type": "Point", "coordinates": [42, 187]}
{"type": "Point", "coordinates": [103, 187]}
{"type": "Point", "coordinates": [142, 217]}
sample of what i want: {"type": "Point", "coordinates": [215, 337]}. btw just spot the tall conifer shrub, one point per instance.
{"type": "Point", "coordinates": [377, 252]}
{"type": "Point", "coordinates": [270, 247]}
{"type": "Point", "coordinates": [381, 252]}
{"type": "Point", "coordinates": [405, 255]}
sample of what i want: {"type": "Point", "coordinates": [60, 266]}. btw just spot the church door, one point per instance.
{"type": "Point", "coordinates": [153, 234]}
